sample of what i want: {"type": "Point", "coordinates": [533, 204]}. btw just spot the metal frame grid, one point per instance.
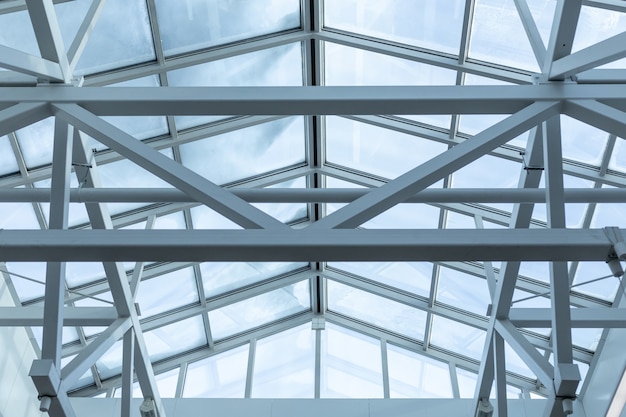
{"type": "Point", "coordinates": [39, 87]}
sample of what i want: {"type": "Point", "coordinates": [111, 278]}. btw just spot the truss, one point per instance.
{"type": "Point", "coordinates": [38, 87]}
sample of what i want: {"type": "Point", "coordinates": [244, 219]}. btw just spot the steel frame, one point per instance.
{"type": "Point", "coordinates": [562, 88]}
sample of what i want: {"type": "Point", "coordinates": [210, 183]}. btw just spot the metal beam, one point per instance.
{"type": "Point", "coordinates": [20, 115]}
{"type": "Point", "coordinates": [534, 37]}
{"type": "Point", "coordinates": [319, 195]}
{"type": "Point", "coordinates": [24, 63]}
{"type": "Point", "coordinates": [72, 316]}
{"type": "Point", "coordinates": [304, 245]}
{"type": "Point", "coordinates": [174, 101]}
{"type": "Point", "coordinates": [48, 34]}
{"type": "Point", "coordinates": [563, 31]}
{"type": "Point", "coordinates": [84, 31]}
{"type": "Point", "coordinates": [203, 190]}
{"type": "Point", "coordinates": [597, 114]}
{"type": "Point", "coordinates": [608, 50]}
{"type": "Point", "coordinates": [580, 317]}
{"type": "Point", "coordinates": [417, 179]}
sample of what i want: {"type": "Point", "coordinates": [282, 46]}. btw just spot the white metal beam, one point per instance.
{"type": "Point", "coordinates": [304, 245]}
{"type": "Point", "coordinates": [173, 101]}
{"type": "Point", "coordinates": [48, 34]}
{"type": "Point", "coordinates": [417, 179]}
{"type": "Point", "coordinates": [597, 114]}
{"type": "Point", "coordinates": [604, 52]}
{"type": "Point", "coordinates": [321, 195]}
{"type": "Point", "coordinates": [72, 316]}
{"type": "Point", "coordinates": [563, 30]}
{"type": "Point", "coordinates": [24, 63]}
{"type": "Point", "coordinates": [203, 190]}
{"type": "Point", "coordinates": [534, 37]}
{"type": "Point", "coordinates": [82, 36]}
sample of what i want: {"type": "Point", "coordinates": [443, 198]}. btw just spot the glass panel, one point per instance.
{"type": "Point", "coordinates": [589, 271]}
{"type": "Point", "coordinates": [376, 150]}
{"type": "Point", "coordinates": [81, 273]}
{"type": "Point", "coordinates": [256, 311]}
{"type": "Point", "coordinates": [110, 364]}
{"type": "Point", "coordinates": [536, 270]}
{"type": "Point", "coordinates": [140, 127]}
{"type": "Point", "coordinates": [476, 123]}
{"type": "Point", "coordinates": [463, 291]}
{"type": "Point", "coordinates": [70, 15]}
{"type": "Point", "coordinates": [167, 292]}
{"type": "Point", "coordinates": [215, 22]}
{"type": "Point", "coordinates": [515, 364]}
{"type": "Point", "coordinates": [77, 214]}
{"type": "Point", "coordinates": [587, 338]}
{"type": "Point", "coordinates": [414, 277]}
{"type": "Point", "coordinates": [467, 382]}
{"type": "Point", "coordinates": [166, 382]}
{"type": "Point", "coordinates": [280, 66]}
{"type": "Point", "coordinates": [412, 375]}
{"type": "Point", "coordinates": [205, 218]}
{"type": "Point", "coordinates": [406, 216]}
{"type": "Point", "coordinates": [36, 143]}
{"type": "Point", "coordinates": [609, 215]}
{"type": "Point", "coordinates": [582, 142]}
{"type": "Point", "coordinates": [379, 311]}
{"type": "Point", "coordinates": [16, 31]}
{"type": "Point", "coordinates": [458, 338]}
{"type": "Point", "coordinates": [8, 164]}
{"type": "Point", "coordinates": [99, 300]}
{"type": "Point", "coordinates": [219, 376]}
{"type": "Point", "coordinates": [286, 213]}
{"type": "Point", "coordinates": [596, 25]}
{"type": "Point", "coordinates": [85, 379]}
{"type": "Point", "coordinates": [114, 43]}
{"type": "Point", "coordinates": [284, 365]}
{"type": "Point", "coordinates": [543, 14]}
{"type": "Point", "coordinates": [25, 287]}
{"type": "Point", "coordinates": [353, 66]}
{"type": "Point", "coordinates": [416, 23]}
{"type": "Point", "coordinates": [222, 277]}
{"type": "Point", "coordinates": [618, 158]}
{"type": "Point", "coordinates": [247, 152]}
{"type": "Point", "coordinates": [498, 36]}
{"type": "Point", "coordinates": [69, 335]}
{"type": "Point", "coordinates": [174, 221]}
{"type": "Point", "coordinates": [351, 365]}
{"type": "Point", "coordinates": [175, 338]}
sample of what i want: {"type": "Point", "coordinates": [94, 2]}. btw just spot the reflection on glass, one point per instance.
{"type": "Point", "coordinates": [351, 365]}
{"type": "Point", "coordinates": [379, 311]}
{"type": "Point", "coordinates": [259, 310]}
{"type": "Point", "coordinates": [8, 163]}
{"type": "Point", "coordinates": [498, 36]}
{"type": "Point", "coordinates": [114, 43]}
{"type": "Point", "coordinates": [175, 338]}
{"type": "Point", "coordinates": [416, 23]}
{"type": "Point", "coordinates": [167, 292]}
{"type": "Point", "coordinates": [284, 365]}
{"type": "Point", "coordinates": [219, 376]}
{"type": "Point", "coordinates": [243, 153]}
{"type": "Point", "coordinates": [36, 143]}
{"type": "Point", "coordinates": [414, 277]}
{"type": "Point", "coordinates": [221, 277]}
{"type": "Point", "coordinates": [463, 291]}
{"type": "Point", "coordinates": [412, 375]}
{"type": "Point", "coordinates": [279, 66]}
{"type": "Point", "coordinates": [595, 25]}
{"type": "Point", "coordinates": [376, 150]}
{"type": "Point", "coordinates": [216, 22]}
{"type": "Point", "coordinates": [458, 338]}
{"type": "Point", "coordinates": [353, 66]}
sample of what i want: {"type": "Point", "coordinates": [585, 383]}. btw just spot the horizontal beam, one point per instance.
{"type": "Point", "coordinates": [304, 245]}
{"type": "Point", "coordinates": [581, 317]}
{"type": "Point", "coordinates": [328, 195]}
{"type": "Point", "coordinates": [141, 101]}
{"type": "Point", "coordinates": [72, 316]}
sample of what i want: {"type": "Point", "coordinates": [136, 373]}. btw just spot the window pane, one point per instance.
{"type": "Point", "coordinates": [412, 375]}
{"type": "Point", "coordinates": [215, 22]}
{"type": "Point", "coordinates": [219, 376]}
{"type": "Point", "coordinates": [284, 365]}
{"type": "Point", "coordinates": [255, 311]}
{"type": "Point", "coordinates": [414, 22]}
{"type": "Point", "coordinates": [351, 365]}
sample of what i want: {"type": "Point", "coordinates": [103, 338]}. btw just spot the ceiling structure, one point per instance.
{"type": "Point", "coordinates": [396, 166]}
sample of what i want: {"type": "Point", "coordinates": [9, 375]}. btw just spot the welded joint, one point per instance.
{"type": "Point", "coordinates": [47, 380]}
{"type": "Point", "coordinates": [617, 240]}
{"type": "Point", "coordinates": [566, 380]}
{"type": "Point", "coordinates": [484, 409]}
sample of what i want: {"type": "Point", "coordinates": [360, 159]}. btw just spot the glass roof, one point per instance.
{"type": "Point", "coordinates": [391, 329]}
